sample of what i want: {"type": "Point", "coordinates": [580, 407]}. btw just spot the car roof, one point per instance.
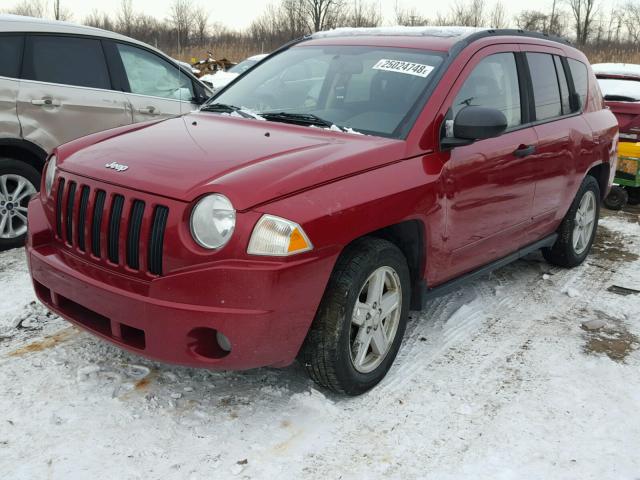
{"type": "Point", "coordinates": [433, 38]}
{"type": "Point", "coordinates": [21, 24]}
{"type": "Point", "coordinates": [617, 69]}
{"type": "Point", "coordinates": [258, 57]}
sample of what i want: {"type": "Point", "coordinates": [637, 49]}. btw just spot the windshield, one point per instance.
{"type": "Point", "coordinates": [364, 89]}
{"type": "Point", "coordinates": [621, 90]}
{"type": "Point", "coordinates": [242, 66]}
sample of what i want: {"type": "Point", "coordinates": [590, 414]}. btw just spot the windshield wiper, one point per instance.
{"type": "Point", "coordinates": [300, 119]}
{"type": "Point", "coordinates": [224, 108]}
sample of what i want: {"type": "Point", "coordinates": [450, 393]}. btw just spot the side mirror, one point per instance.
{"type": "Point", "coordinates": [475, 123]}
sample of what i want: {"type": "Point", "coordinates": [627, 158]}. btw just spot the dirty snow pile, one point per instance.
{"type": "Point", "coordinates": [530, 373]}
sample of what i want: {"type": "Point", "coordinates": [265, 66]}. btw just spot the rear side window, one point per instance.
{"type": "Point", "coordinates": [580, 80]}
{"type": "Point", "coordinates": [493, 83]}
{"type": "Point", "coordinates": [564, 86]}
{"type": "Point", "coordinates": [66, 60]}
{"type": "Point", "coordinates": [10, 55]}
{"type": "Point", "coordinates": [546, 91]}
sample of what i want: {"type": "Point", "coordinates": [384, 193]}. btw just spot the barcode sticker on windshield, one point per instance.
{"type": "Point", "coordinates": [399, 66]}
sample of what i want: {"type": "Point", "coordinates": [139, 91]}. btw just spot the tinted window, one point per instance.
{"type": "Point", "coordinates": [493, 83]}
{"type": "Point", "coordinates": [10, 55]}
{"type": "Point", "coordinates": [67, 60]}
{"type": "Point", "coordinates": [546, 92]}
{"type": "Point", "coordinates": [579, 74]}
{"type": "Point", "coordinates": [150, 75]}
{"type": "Point", "coordinates": [564, 86]}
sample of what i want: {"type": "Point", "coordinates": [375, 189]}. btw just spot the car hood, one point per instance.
{"type": "Point", "coordinates": [250, 161]}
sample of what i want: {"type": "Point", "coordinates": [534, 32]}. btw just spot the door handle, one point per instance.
{"type": "Point", "coordinates": [149, 110]}
{"type": "Point", "coordinates": [525, 151]}
{"type": "Point", "coordinates": [46, 102]}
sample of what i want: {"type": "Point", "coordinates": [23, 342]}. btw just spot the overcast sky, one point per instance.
{"type": "Point", "coordinates": [239, 13]}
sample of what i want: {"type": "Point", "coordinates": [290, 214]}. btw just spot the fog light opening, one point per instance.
{"type": "Point", "coordinates": [208, 343]}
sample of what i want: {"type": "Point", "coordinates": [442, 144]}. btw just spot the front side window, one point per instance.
{"type": "Point", "coordinates": [11, 55]}
{"type": "Point", "coordinates": [369, 89]}
{"type": "Point", "coordinates": [149, 75]}
{"type": "Point", "coordinates": [544, 80]}
{"type": "Point", "coordinates": [493, 83]}
{"type": "Point", "coordinates": [67, 60]}
{"type": "Point", "coordinates": [580, 79]}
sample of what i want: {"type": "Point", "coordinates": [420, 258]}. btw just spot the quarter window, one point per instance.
{"type": "Point", "coordinates": [11, 54]}
{"type": "Point", "coordinates": [68, 61]}
{"type": "Point", "coordinates": [493, 83]}
{"type": "Point", "coordinates": [579, 74]}
{"type": "Point", "coordinates": [149, 75]}
{"type": "Point", "coordinates": [546, 91]}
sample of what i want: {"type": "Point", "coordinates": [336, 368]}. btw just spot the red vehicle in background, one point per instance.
{"type": "Point", "coordinates": [620, 85]}
{"type": "Point", "coordinates": [345, 179]}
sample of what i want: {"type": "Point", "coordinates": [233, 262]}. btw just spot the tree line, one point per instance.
{"type": "Point", "coordinates": [189, 26]}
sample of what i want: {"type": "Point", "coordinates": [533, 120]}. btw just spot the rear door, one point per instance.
{"type": "Point", "coordinates": [560, 131]}
{"type": "Point", "coordinates": [11, 57]}
{"type": "Point", "coordinates": [155, 87]}
{"type": "Point", "coordinates": [66, 91]}
{"type": "Point", "coordinates": [488, 184]}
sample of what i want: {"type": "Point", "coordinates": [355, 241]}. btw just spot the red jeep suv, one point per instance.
{"type": "Point", "coordinates": [347, 178]}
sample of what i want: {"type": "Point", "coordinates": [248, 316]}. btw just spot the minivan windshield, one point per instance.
{"type": "Point", "coordinates": [361, 89]}
{"type": "Point", "coordinates": [617, 89]}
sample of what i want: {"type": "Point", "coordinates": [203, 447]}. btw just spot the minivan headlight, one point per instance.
{"type": "Point", "coordinates": [213, 220]}
{"type": "Point", "coordinates": [278, 237]}
{"type": "Point", "coordinates": [50, 175]}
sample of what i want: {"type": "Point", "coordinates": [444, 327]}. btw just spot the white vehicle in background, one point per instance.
{"type": "Point", "coordinates": [220, 79]}
{"type": "Point", "coordinates": [187, 66]}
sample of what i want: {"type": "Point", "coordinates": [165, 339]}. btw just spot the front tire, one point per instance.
{"type": "Point", "coordinates": [361, 320]}
{"type": "Point", "coordinates": [18, 183]}
{"type": "Point", "coordinates": [578, 228]}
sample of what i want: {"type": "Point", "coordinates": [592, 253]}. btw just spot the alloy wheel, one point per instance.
{"type": "Point", "coordinates": [15, 193]}
{"type": "Point", "coordinates": [584, 222]}
{"type": "Point", "coordinates": [375, 319]}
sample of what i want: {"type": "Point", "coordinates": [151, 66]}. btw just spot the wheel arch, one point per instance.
{"type": "Point", "coordinates": [24, 151]}
{"type": "Point", "coordinates": [601, 172]}
{"type": "Point", "coordinates": [409, 237]}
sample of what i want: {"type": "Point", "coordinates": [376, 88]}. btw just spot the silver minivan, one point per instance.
{"type": "Point", "coordinates": [59, 82]}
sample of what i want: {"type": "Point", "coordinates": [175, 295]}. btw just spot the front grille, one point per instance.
{"type": "Point", "coordinates": [112, 226]}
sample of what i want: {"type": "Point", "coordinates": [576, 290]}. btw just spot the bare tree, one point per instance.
{"type": "Point", "coordinates": [364, 14]}
{"type": "Point", "coordinates": [60, 12]}
{"type": "Point", "coordinates": [409, 16]}
{"type": "Point", "coordinates": [125, 18]}
{"type": "Point", "coordinates": [498, 16]}
{"type": "Point", "coordinates": [583, 12]}
{"type": "Point", "coordinates": [321, 14]}
{"type": "Point", "coordinates": [29, 8]}
{"type": "Point", "coordinates": [468, 14]}
{"type": "Point", "coordinates": [201, 22]}
{"type": "Point", "coordinates": [182, 20]}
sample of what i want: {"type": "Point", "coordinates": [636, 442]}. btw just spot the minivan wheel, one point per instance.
{"type": "Point", "coordinates": [578, 229]}
{"type": "Point", "coordinates": [18, 183]}
{"type": "Point", "coordinates": [617, 198]}
{"type": "Point", "coordinates": [361, 320]}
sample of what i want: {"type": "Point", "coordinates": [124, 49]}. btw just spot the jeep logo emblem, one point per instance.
{"type": "Point", "coordinates": [117, 167]}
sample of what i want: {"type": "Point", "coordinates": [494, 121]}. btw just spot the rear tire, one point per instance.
{"type": "Point", "coordinates": [617, 198]}
{"type": "Point", "coordinates": [19, 181]}
{"type": "Point", "coordinates": [634, 195]}
{"type": "Point", "coordinates": [578, 229]}
{"type": "Point", "coordinates": [370, 277]}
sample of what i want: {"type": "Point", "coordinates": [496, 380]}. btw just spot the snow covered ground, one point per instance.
{"type": "Point", "coordinates": [496, 381]}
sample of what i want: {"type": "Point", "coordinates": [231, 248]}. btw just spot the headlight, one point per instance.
{"type": "Point", "coordinates": [278, 237]}
{"type": "Point", "coordinates": [212, 221]}
{"type": "Point", "coordinates": [50, 175]}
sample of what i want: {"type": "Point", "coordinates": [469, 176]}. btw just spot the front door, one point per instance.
{"type": "Point", "coordinates": [488, 184]}
{"type": "Point", "coordinates": [66, 91]}
{"type": "Point", "coordinates": [156, 87]}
